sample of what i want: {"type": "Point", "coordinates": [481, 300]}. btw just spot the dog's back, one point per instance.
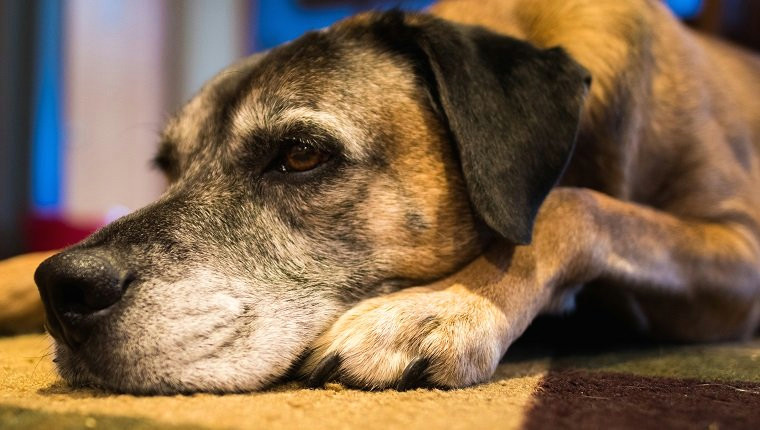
{"type": "Point", "coordinates": [734, 74]}
{"type": "Point", "coordinates": [666, 102]}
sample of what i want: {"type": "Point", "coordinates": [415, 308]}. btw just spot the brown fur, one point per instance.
{"type": "Point", "coordinates": [435, 231]}
{"type": "Point", "coordinates": [19, 300]}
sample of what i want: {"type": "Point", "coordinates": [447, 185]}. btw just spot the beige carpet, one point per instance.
{"type": "Point", "coordinates": [716, 386]}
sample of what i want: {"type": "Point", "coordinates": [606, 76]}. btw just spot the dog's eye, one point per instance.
{"type": "Point", "coordinates": [301, 156]}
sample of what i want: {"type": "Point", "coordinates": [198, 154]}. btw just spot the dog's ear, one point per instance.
{"type": "Point", "coordinates": [512, 110]}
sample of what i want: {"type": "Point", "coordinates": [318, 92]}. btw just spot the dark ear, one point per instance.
{"type": "Point", "coordinates": [512, 109]}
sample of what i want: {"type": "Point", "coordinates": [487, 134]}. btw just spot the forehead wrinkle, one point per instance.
{"type": "Point", "coordinates": [352, 137]}
{"type": "Point", "coordinates": [255, 118]}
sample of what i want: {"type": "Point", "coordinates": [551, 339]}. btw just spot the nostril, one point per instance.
{"type": "Point", "coordinates": [68, 296]}
{"type": "Point", "coordinates": [87, 292]}
{"type": "Point", "coordinates": [81, 282]}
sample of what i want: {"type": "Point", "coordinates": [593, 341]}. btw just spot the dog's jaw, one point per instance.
{"type": "Point", "coordinates": [232, 340]}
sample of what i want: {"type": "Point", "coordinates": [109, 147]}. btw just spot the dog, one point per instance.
{"type": "Point", "coordinates": [389, 203]}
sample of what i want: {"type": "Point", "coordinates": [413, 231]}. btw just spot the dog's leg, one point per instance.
{"type": "Point", "coordinates": [20, 305]}
{"type": "Point", "coordinates": [454, 332]}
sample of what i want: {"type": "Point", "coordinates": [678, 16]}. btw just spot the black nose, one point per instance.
{"type": "Point", "coordinates": [77, 288]}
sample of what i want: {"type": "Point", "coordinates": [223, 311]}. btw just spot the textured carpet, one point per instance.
{"type": "Point", "coordinates": [709, 386]}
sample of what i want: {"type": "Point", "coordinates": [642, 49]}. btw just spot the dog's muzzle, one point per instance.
{"type": "Point", "coordinates": [78, 290]}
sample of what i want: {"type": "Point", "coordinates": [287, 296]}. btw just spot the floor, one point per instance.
{"type": "Point", "coordinates": [707, 386]}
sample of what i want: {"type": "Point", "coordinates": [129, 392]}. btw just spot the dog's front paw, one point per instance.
{"type": "Point", "coordinates": [417, 337]}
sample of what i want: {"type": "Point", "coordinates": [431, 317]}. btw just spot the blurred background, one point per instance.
{"type": "Point", "coordinates": [85, 86]}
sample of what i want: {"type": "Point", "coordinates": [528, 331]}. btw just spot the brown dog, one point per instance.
{"type": "Point", "coordinates": [668, 143]}
{"type": "Point", "coordinates": [391, 150]}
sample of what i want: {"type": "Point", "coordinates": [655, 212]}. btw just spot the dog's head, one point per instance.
{"type": "Point", "coordinates": [346, 164]}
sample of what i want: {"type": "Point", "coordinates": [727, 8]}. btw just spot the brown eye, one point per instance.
{"type": "Point", "coordinates": [302, 156]}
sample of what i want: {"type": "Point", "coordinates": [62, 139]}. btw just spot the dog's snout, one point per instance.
{"type": "Point", "coordinates": [76, 288]}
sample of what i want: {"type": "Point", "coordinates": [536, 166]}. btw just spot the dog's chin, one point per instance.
{"type": "Point", "coordinates": [215, 375]}
{"type": "Point", "coordinates": [227, 339]}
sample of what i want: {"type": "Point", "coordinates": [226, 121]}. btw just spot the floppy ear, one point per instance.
{"type": "Point", "coordinates": [513, 111]}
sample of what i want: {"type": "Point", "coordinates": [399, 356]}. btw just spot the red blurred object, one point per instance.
{"type": "Point", "coordinates": [46, 232]}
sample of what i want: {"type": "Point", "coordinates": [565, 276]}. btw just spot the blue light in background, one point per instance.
{"type": "Point", "coordinates": [47, 138]}
{"type": "Point", "coordinates": [685, 8]}
{"type": "Point", "coordinates": [279, 21]}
